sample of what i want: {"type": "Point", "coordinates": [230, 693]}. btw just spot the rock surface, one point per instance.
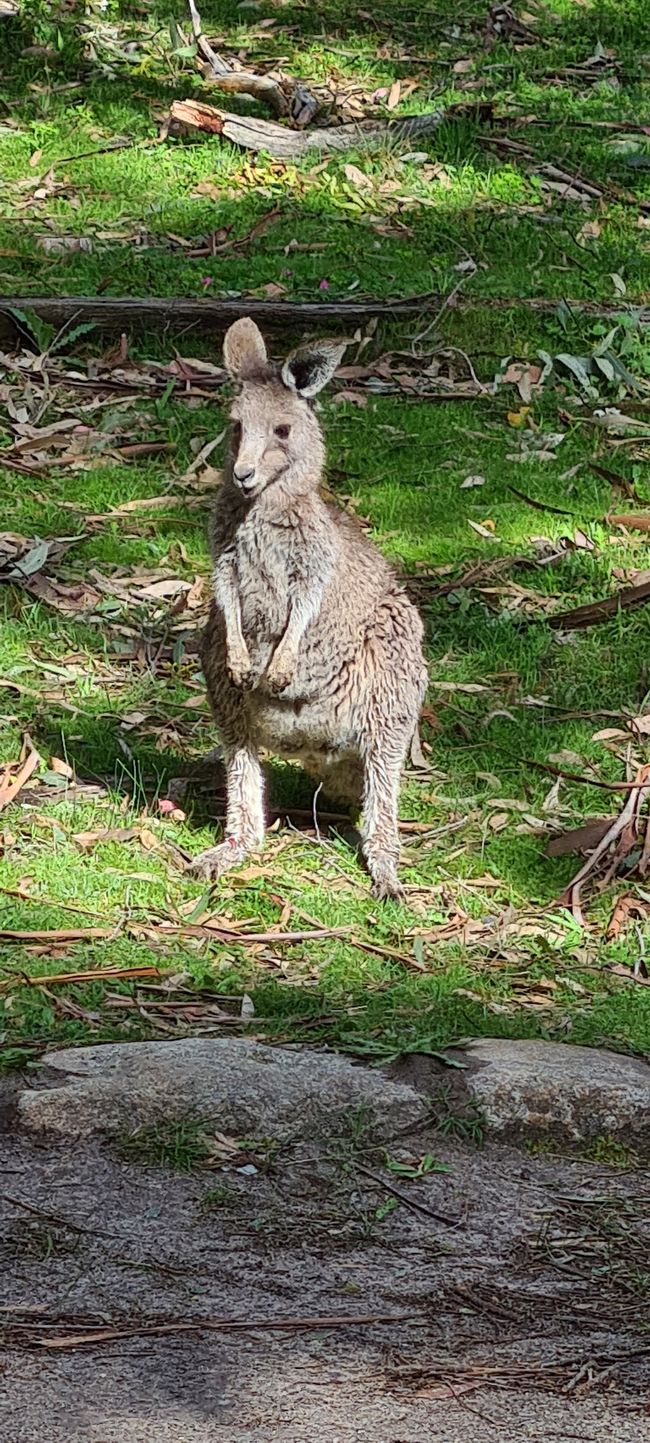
{"type": "Point", "coordinates": [532, 1089]}
{"type": "Point", "coordinates": [241, 1086]}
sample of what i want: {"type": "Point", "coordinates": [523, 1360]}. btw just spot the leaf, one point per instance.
{"type": "Point", "coordinates": [61, 768]}
{"type": "Point", "coordinates": [605, 366]}
{"type": "Point", "coordinates": [578, 366]}
{"type": "Point", "coordinates": [517, 418]}
{"type": "Point", "coordinates": [87, 840]}
{"type": "Point", "coordinates": [619, 284]}
{"type": "Point", "coordinates": [357, 177]}
{"type": "Point", "coordinates": [66, 338]}
{"type": "Point", "coordinates": [31, 562]}
{"type": "Point", "coordinates": [591, 230]}
{"type": "Point", "coordinates": [482, 529]}
{"type": "Point", "coordinates": [394, 95]}
{"type": "Point", "coordinates": [579, 839]}
{"type": "Point", "coordinates": [471, 481]}
{"type": "Point", "coordinates": [12, 780]}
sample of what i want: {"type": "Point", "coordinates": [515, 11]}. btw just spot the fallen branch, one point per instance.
{"type": "Point", "coordinates": [572, 180]}
{"type": "Point", "coordinates": [94, 974]}
{"type": "Point", "coordinates": [291, 98]}
{"type": "Point", "coordinates": [57, 935]}
{"type": "Point", "coordinates": [213, 1325]}
{"type": "Point", "coordinates": [284, 144]}
{"type": "Point", "coordinates": [593, 612]}
{"type": "Point", "coordinates": [403, 1197]}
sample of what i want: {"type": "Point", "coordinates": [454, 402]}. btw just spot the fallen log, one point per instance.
{"type": "Point", "coordinates": [254, 134]}
{"type": "Point", "coordinates": [114, 314]}
{"type": "Point", "coordinates": [118, 314]}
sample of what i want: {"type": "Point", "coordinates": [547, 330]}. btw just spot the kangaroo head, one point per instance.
{"type": "Point", "coordinates": [275, 433]}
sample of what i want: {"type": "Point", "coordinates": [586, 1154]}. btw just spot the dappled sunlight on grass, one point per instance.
{"type": "Point", "coordinates": [493, 529]}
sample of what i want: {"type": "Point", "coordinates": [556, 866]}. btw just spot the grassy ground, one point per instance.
{"type": "Point", "coordinates": [110, 691]}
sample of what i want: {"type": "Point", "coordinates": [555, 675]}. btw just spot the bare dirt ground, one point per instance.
{"type": "Point", "coordinates": [526, 1315]}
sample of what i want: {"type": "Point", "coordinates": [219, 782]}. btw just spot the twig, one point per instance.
{"type": "Point", "coordinates": [409, 1202]}
{"type": "Point", "coordinates": [93, 974]}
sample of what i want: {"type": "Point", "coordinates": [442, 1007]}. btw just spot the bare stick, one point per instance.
{"type": "Point", "coordinates": [409, 1202]}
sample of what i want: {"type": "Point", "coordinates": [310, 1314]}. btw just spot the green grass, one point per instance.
{"type": "Point", "coordinates": [87, 691]}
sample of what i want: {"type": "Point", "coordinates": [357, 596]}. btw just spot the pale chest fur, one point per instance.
{"type": "Point", "coordinates": [263, 555]}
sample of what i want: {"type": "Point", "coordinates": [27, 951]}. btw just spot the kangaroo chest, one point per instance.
{"type": "Point", "coordinates": [264, 569]}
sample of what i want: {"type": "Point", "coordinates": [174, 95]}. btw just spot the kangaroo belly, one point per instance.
{"type": "Point", "coordinates": [300, 730]}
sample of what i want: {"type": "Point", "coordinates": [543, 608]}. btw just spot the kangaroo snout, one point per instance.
{"type": "Point", "coordinates": [244, 476]}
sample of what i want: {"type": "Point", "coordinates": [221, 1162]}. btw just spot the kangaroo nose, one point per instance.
{"type": "Point", "coordinates": [243, 473]}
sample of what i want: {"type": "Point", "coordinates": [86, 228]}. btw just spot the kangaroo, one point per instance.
{"type": "Point", "coordinates": [312, 650]}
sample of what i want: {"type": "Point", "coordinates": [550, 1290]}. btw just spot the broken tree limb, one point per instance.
{"type": "Point", "coordinates": [284, 144]}
{"type": "Point", "coordinates": [298, 102]}
{"type": "Point", "coordinates": [594, 612]}
{"type": "Point", "coordinates": [217, 65]}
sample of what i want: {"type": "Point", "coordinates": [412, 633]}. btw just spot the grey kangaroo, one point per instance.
{"type": "Point", "coordinates": [312, 649]}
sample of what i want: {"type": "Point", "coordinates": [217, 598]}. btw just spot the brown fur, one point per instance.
{"type": "Point", "coordinates": [312, 650]}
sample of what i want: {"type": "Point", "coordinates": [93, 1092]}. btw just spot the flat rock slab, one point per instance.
{"type": "Point", "coordinates": [535, 1090]}
{"type": "Point", "coordinates": [243, 1087]}
{"type": "Point", "coordinates": [578, 1093]}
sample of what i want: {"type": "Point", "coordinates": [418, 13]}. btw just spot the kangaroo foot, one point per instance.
{"type": "Point", "coordinates": [212, 863]}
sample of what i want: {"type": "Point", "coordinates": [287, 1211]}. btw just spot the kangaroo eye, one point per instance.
{"type": "Point", "coordinates": [282, 432]}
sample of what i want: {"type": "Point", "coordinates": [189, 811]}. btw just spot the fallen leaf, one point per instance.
{"type": "Point", "coordinates": [484, 528]}
{"type": "Point", "coordinates": [471, 481]}
{"type": "Point", "coordinates": [394, 95]}
{"type": "Point", "coordinates": [87, 840]}
{"type": "Point", "coordinates": [524, 376]}
{"type": "Point", "coordinates": [15, 774]}
{"type": "Point", "coordinates": [591, 230]}
{"type": "Point", "coordinates": [580, 839]}
{"type": "Point", "coordinates": [357, 177]}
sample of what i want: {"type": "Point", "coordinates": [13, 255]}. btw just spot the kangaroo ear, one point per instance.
{"type": "Point", "coordinates": [244, 351]}
{"type": "Point", "coordinates": [310, 367]}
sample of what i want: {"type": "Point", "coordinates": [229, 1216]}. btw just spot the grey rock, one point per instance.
{"type": "Point", "coordinates": [242, 1086]}
{"type": "Point", "coordinates": [534, 1089]}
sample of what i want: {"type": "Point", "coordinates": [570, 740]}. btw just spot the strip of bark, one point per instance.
{"type": "Point", "coordinates": [595, 612]}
